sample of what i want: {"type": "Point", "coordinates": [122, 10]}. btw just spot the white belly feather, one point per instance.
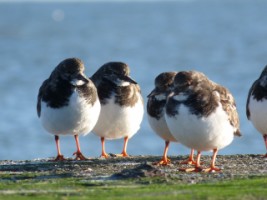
{"type": "Point", "coordinates": [116, 122]}
{"type": "Point", "coordinates": [258, 114]}
{"type": "Point", "coordinates": [78, 117]}
{"type": "Point", "coordinates": [160, 128]}
{"type": "Point", "coordinates": [204, 133]}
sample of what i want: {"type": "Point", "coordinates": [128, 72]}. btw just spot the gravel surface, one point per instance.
{"type": "Point", "coordinates": [137, 167]}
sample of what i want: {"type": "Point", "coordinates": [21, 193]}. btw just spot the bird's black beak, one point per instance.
{"type": "Point", "coordinates": [127, 78]}
{"type": "Point", "coordinates": [153, 93]}
{"type": "Point", "coordinates": [113, 79]}
{"type": "Point", "coordinates": [79, 80]}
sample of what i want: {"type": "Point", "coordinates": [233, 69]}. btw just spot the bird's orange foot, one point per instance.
{"type": "Point", "coordinates": [163, 162]}
{"type": "Point", "coordinates": [79, 156]}
{"type": "Point", "coordinates": [195, 169]}
{"type": "Point", "coordinates": [189, 162]}
{"type": "Point", "coordinates": [123, 154]}
{"type": "Point", "coordinates": [212, 169]}
{"type": "Point", "coordinates": [104, 155]}
{"type": "Point", "coordinates": [60, 158]}
{"type": "Point", "coordinates": [265, 156]}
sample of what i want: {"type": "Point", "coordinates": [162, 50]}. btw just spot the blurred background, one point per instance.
{"type": "Point", "coordinates": [225, 39]}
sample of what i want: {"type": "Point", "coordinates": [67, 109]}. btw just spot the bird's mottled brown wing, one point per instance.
{"type": "Point", "coordinates": [249, 94]}
{"type": "Point", "coordinates": [229, 106]}
{"type": "Point", "coordinates": [40, 95]}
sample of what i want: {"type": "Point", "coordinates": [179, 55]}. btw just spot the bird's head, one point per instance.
{"type": "Point", "coordinates": [71, 70]}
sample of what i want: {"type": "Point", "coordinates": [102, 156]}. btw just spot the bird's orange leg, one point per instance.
{"type": "Point", "coordinates": [124, 151]}
{"type": "Point", "coordinates": [164, 160]}
{"type": "Point", "coordinates": [197, 167]}
{"type": "Point", "coordinates": [265, 141]}
{"type": "Point", "coordinates": [103, 154]}
{"type": "Point", "coordinates": [212, 166]}
{"type": "Point", "coordinates": [59, 157]}
{"type": "Point", "coordinates": [78, 153]}
{"type": "Point", "coordinates": [190, 160]}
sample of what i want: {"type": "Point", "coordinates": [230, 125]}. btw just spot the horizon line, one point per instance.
{"type": "Point", "coordinates": [84, 1]}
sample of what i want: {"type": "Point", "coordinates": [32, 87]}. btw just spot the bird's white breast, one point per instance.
{"type": "Point", "coordinates": [160, 127]}
{"type": "Point", "coordinates": [78, 117]}
{"type": "Point", "coordinates": [201, 133]}
{"type": "Point", "coordinates": [117, 121]}
{"type": "Point", "coordinates": [258, 114]}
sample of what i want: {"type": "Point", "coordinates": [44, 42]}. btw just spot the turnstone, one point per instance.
{"type": "Point", "coordinates": [257, 105]}
{"type": "Point", "coordinates": [156, 111]}
{"type": "Point", "coordinates": [68, 103]}
{"type": "Point", "coordinates": [201, 115]}
{"type": "Point", "coordinates": [121, 104]}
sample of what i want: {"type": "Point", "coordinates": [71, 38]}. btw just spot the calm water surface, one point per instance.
{"type": "Point", "coordinates": [227, 40]}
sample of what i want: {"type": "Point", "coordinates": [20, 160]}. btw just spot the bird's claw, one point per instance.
{"type": "Point", "coordinates": [79, 156]}
{"type": "Point", "coordinates": [60, 158]}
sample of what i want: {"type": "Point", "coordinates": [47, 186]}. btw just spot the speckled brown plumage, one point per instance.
{"type": "Point", "coordinates": [163, 86]}
{"type": "Point", "coordinates": [229, 106]}
{"type": "Point", "coordinates": [57, 89]}
{"type": "Point", "coordinates": [203, 97]}
{"type": "Point", "coordinates": [197, 88]}
{"type": "Point", "coordinates": [105, 79]}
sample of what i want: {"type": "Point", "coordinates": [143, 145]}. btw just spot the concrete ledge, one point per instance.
{"type": "Point", "coordinates": [115, 168]}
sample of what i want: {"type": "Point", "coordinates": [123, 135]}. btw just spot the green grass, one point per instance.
{"type": "Point", "coordinates": [45, 187]}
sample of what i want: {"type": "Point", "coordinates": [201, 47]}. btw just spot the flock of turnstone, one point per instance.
{"type": "Point", "coordinates": [184, 107]}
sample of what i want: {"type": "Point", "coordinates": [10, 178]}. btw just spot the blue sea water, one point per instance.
{"type": "Point", "coordinates": [225, 39]}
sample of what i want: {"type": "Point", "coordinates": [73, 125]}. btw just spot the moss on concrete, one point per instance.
{"type": "Point", "coordinates": [242, 177]}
